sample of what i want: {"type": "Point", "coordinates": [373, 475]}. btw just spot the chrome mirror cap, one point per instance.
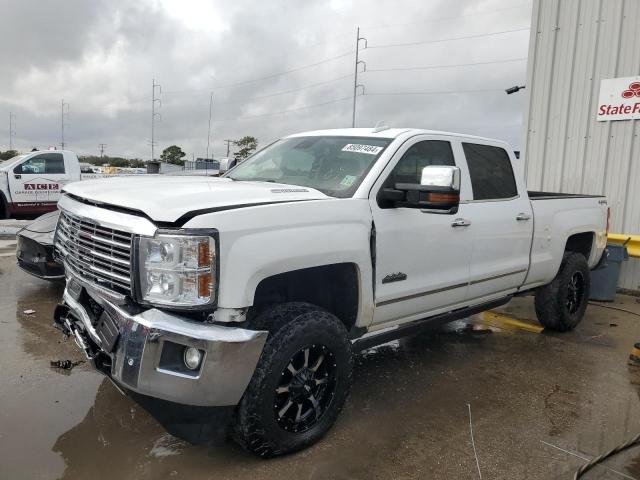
{"type": "Point", "coordinates": [441, 176]}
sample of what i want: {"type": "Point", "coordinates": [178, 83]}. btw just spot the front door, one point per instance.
{"type": "Point", "coordinates": [37, 181]}
{"type": "Point", "coordinates": [422, 259]}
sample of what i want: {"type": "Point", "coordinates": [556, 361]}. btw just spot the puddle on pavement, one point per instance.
{"type": "Point", "coordinates": [406, 417]}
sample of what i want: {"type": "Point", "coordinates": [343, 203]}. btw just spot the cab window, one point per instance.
{"type": "Point", "coordinates": [51, 163]}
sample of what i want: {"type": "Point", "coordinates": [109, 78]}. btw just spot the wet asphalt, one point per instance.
{"type": "Point", "coordinates": [530, 394]}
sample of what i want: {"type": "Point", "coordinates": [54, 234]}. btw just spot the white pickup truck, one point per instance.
{"type": "Point", "coordinates": [244, 296]}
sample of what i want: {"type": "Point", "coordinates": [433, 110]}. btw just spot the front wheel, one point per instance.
{"type": "Point", "coordinates": [561, 304]}
{"type": "Point", "coordinates": [300, 384]}
{"type": "Point", "coordinates": [4, 208]}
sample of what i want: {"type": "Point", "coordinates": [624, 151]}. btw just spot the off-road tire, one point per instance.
{"type": "Point", "coordinates": [292, 328]}
{"type": "Point", "coordinates": [552, 301]}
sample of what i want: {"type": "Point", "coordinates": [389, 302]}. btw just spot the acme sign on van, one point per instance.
{"type": "Point", "coordinates": [619, 99]}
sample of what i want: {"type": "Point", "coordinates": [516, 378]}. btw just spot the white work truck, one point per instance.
{"type": "Point", "coordinates": [31, 183]}
{"type": "Point", "coordinates": [244, 296]}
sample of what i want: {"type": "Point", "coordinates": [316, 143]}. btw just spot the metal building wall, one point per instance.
{"type": "Point", "coordinates": [573, 45]}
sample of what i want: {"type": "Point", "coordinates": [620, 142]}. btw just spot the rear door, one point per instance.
{"type": "Point", "coordinates": [502, 222]}
{"type": "Point", "coordinates": [422, 259]}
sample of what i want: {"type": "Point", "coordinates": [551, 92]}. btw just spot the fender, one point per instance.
{"type": "Point", "coordinates": [262, 241]}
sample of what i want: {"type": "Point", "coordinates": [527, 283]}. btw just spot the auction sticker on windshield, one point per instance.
{"type": "Point", "coordinates": [358, 148]}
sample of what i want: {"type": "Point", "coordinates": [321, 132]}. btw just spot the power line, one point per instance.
{"type": "Point", "coordinates": [266, 77]}
{"type": "Point", "coordinates": [451, 39]}
{"type": "Point", "coordinates": [289, 110]}
{"type": "Point", "coordinates": [228, 142]}
{"type": "Point", "coordinates": [455, 65]}
{"type": "Point", "coordinates": [437, 92]}
{"type": "Point", "coordinates": [440, 19]}
{"type": "Point", "coordinates": [284, 92]}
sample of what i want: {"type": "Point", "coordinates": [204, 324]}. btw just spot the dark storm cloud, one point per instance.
{"type": "Point", "coordinates": [101, 57]}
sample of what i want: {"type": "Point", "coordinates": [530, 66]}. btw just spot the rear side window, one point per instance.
{"type": "Point", "coordinates": [491, 173]}
{"type": "Point", "coordinates": [44, 163]}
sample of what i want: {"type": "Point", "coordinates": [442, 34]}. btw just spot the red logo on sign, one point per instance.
{"type": "Point", "coordinates": [633, 91]}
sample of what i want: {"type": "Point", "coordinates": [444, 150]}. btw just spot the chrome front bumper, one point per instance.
{"type": "Point", "coordinates": [137, 361]}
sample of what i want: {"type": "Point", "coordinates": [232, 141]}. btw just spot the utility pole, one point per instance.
{"type": "Point", "coordinates": [229, 142]}
{"type": "Point", "coordinates": [11, 132]}
{"type": "Point", "coordinates": [154, 114]}
{"type": "Point", "coordinates": [63, 105]}
{"type": "Point", "coordinates": [209, 129]}
{"type": "Point", "coordinates": [102, 147]}
{"type": "Point", "coordinates": [355, 75]}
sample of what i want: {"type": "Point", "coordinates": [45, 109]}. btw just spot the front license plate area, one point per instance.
{"type": "Point", "coordinates": [107, 331]}
{"type": "Point", "coordinates": [74, 288]}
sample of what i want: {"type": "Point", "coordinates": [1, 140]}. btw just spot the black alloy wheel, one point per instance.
{"type": "Point", "coordinates": [560, 304]}
{"type": "Point", "coordinates": [575, 292]}
{"type": "Point", "coordinates": [306, 389]}
{"type": "Point", "coordinates": [300, 383]}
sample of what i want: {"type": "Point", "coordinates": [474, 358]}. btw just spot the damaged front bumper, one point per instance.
{"type": "Point", "coordinates": [142, 350]}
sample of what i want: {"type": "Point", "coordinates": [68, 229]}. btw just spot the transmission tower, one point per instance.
{"type": "Point", "coordinates": [64, 113]}
{"type": "Point", "coordinates": [12, 133]}
{"type": "Point", "coordinates": [155, 87]}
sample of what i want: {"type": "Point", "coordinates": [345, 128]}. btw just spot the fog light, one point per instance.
{"type": "Point", "coordinates": [192, 357]}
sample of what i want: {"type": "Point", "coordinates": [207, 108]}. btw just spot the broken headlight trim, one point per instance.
{"type": "Point", "coordinates": [177, 270]}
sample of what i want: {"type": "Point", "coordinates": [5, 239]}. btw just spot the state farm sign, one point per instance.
{"type": "Point", "coordinates": [619, 99]}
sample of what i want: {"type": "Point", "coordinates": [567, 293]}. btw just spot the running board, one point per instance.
{"type": "Point", "coordinates": [429, 323]}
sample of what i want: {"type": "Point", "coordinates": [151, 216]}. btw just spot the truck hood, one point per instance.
{"type": "Point", "coordinates": [166, 199]}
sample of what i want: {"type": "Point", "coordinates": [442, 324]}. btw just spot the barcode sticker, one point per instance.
{"type": "Point", "coordinates": [358, 148]}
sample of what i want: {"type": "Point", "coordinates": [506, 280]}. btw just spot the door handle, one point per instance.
{"type": "Point", "coordinates": [17, 177]}
{"type": "Point", "coordinates": [460, 222]}
{"type": "Point", "coordinates": [523, 217]}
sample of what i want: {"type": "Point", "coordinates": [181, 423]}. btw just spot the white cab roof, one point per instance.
{"type": "Point", "coordinates": [388, 133]}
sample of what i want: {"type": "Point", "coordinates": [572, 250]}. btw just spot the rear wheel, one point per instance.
{"type": "Point", "coordinates": [300, 384]}
{"type": "Point", "coordinates": [561, 304]}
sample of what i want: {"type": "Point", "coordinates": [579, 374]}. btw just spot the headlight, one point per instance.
{"type": "Point", "coordinates": [177, 270]}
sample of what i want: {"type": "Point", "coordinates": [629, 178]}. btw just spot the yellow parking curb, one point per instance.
{"type": "Point", "coordinates": [501, 321]}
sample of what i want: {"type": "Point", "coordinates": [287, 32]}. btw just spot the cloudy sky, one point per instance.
{"type": "Point", "coordinates": [275, 67]}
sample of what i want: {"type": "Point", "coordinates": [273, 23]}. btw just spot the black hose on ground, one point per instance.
{"type": "Point", "coordinates": [588, 466]}
{"type": "Point", "coordinates": [614, 308]}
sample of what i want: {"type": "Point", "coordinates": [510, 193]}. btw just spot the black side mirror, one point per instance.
{"type": "Point", "coordinates": [438, 191]}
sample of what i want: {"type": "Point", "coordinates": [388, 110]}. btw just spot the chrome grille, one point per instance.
{"type": "Point", "coordinates": [98, 254]}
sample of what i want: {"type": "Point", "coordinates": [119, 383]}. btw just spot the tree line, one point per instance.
{"type": "Point", "coordinates": [245, 147]}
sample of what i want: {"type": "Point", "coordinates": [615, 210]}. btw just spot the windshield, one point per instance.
{"type": "Point", "coordinates": [333, 165]}
{"type": "Point", "coordinates": [11, 160]}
